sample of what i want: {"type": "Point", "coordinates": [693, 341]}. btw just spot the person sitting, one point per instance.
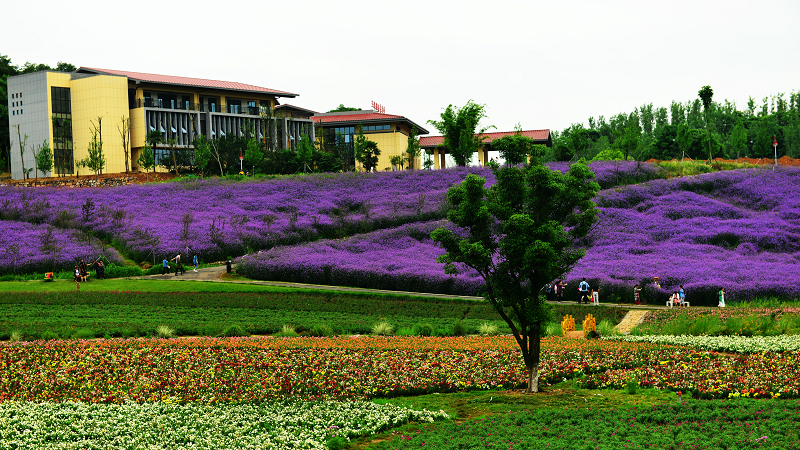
{"type": "Point", "coordinates": [674, 300]}
{"type": "Point", "coordinates": [77, 275]}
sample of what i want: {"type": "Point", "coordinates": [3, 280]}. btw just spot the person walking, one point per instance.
{"type": "Point", "coordinates": [682, 295]}
{"type": "Point", "coordinates": [196, 262]}
{"type": "Point", "coordinates": [84, 270]}
{"type": "Point", "coordinates": [637, 298]}
{"type": "Point", "coordinates": [583, 287]}
{"type": "Point", "coordinates": [178, 265]}
{"type": "Point", "coordinates": [101, 269]}
{"type": "Point", "coordinates": [596, 293]}
{"type": "Point", "coordinates": [721, 296]}
{"type": "Point", "coordinates": [164, 267]}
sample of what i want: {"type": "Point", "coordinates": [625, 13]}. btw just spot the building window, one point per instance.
{"type": "Point", "coordinates": [377, 127]}
{"type": "Point", "coordinates": [62, 130]}
{"type": "Point", "coordinates": [20, 103]}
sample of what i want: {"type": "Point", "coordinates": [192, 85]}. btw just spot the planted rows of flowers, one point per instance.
{"type": "Point", "coordinates": [21, 248]}
{"type": "Point", "coordinates": [303, 425]}
{"type": "Point", "coordinates": [737, 229]}
{"type": "Point", "coordinates": [211, 370]}
{"type": "Point", "coordinates": [737, 344]}
{"type": "Point", "coordinates": [229, 218]}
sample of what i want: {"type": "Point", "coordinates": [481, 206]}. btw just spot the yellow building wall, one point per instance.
{"type": "Point", "coordinates": [393, 143]}
{"type": "Point", "coordinates": [99, 96]}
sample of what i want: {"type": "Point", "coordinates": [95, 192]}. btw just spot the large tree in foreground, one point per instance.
{"type": "Point", "coordinates": [520, 234]}
{"type": "Point", "coordinates": [459, 126]}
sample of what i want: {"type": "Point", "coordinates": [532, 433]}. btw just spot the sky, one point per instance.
{"type": "Point", "coordinates": [542, 65]}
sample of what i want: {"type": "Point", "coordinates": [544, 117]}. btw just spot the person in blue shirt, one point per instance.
{"type": "Point", "coordinates": [682, 295]}
{"type": "Point", "coordinates": [164, 267]}
{"type": "Point", "coordinates": [196, 262]}
{"type": "Point", "coordinates": [584, 289]}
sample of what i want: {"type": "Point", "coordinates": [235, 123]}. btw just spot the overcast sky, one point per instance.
{"type": "Point", "coordinates": [540, 64]}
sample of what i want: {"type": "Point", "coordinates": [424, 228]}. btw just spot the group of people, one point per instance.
{"type": "Point", "coordinates": [82, 270]}
{"type": "Point", "coordinates": [588, 293]}
{"type": "Point", "coordinates": [165, 268]}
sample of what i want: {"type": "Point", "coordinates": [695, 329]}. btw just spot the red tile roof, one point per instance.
{"type": "Point", "coordinates": [360, 117]}
{"type": "Point", "coordinates": [537, 135]}
{"type": "Point", "coordinates": [186, 81]}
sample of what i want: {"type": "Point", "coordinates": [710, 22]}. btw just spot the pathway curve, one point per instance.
{"type": "Point", "coordinates": [633, 318]}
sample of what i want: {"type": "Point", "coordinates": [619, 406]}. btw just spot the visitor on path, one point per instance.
{"type": "Point", "coordinates": [682, 295]}
{"type": "Point", "coordinates": [595, 293]}
{"type": "Point", "coordinates": [196, 262]}
{"type": "Point", "coordinates": [721, 295]}
{"type": "Point", "coordinates": [83, 269]}
{"type": "Point", "coordinates": [559, 288]}
{"type": "Point", "coordinates": [637, 297]}
{"type": "Point", "coordinates": [178, 265]}
{"type": "Point", "coordinates": [583, 287]}
{"type": "Point", "coordinates": [164, 267]}
{"type": "Point", "coordinates": [77, 274]}
{"type": "Point", "coordinates": [101, 269]}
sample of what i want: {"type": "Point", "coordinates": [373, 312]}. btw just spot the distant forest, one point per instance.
{"type": "Point", "coordinates": [680, 131]}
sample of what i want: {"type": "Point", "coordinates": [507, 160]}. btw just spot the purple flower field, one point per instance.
{"type": "Point", "coordinates": [218, 218]}
{"type": "Point", "coordinates": [737, 229]}
{"type": "Point", "coordinates": [401, 258]}
{"type": "Point", "coordinates": [21, 252]}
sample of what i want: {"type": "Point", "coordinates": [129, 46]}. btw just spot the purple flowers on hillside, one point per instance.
{"type": "Point", "coordinates": [738, 229]}
{"type": "Point", "coordinates": [22, 250]}
{"type": "Point", "coordinates": [402, 258]}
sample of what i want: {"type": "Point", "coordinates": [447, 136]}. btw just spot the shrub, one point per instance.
{"type": "Point", "coordinates": [383, 329]}
{"type": "Point", "coordinates": [49, 335]}
{"type": "Point", "coordinates": [460, 329]}
{"type": "Point", "coordinates": [488, 329]}
{"type": "Point", "coordinates": [553, 329]}
{"type": "Point", "coordinates": [165, 331]}
{"type": "Point", "coordinates": [287, 331]}
{"type": "Point", "coordinates": [631, 387]}
{"type": "Point", "coordinates": [336, 443]}
{"type": "Point", "coordinates": [321, 330]}
{"type": "Point", "coordinates": [607, 328]}
{"type": "Point", "coordinates": [115, 271]}
{"type": "Point", "coordinates": [423, 329]}
{"type": "Point", "coordinates": [16, 336]}
{"type": "Point", "coordinates": [84, 333]}
{"type": "Point", "coordinates": [234, 330]}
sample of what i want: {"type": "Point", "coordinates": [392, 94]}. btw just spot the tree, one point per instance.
{"type": "Point", "coordinates": [366, 151]}
{"type": "Point", "coordinates": [23, 142]}
{"type": "Point", "coordinates": [342, 108]}
{"type": "Point", "coordinates": [459, 126]}
{"type": "Point", "coordinates": [413, 149]}
{"type": "Point", "coordinates": [397, 161]}
{"type": "Point", "coordinates": [577, 140]}
{"type": "Point", "coordinates": [706, 94]}
{"type": "Point", "coordinates": [49, 245]}
{"type": "Point", "coordinates": [146, 161]}
{"type": "Point", "coordinates": [44, 160]}
{"type": "Point", "coordinates": [518, 235]}
{"type": "Point", "coordinates": [737, 140]}
{"type": "Point", "coordinates": [514, 149]}
{"type": "Point", "coordinates": [96, 160]}
{"type": "Point", "coordinates": [305, 153]}
{"type": "Point", "coordinates": [124, 129]}
{"type": "Point", "coordinates": [630, 140]}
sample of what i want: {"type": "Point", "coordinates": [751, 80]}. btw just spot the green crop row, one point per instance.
{"type": "Point", "coordinates": [692, 424]}
{"type": "Point", "coordinates": [130, 314]}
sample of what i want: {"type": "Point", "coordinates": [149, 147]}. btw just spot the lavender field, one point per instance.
{"type": "Point", "coordinates": [24, 248]}
{"type": "Point", "coordinates": [737, 229]}
{"type": "Point", "coordinates": [217, 219]}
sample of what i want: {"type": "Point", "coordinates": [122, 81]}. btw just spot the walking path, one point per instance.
{"type": "Point", "coordinates": [633, 318]}
{"type": "Point", "coordinates": [214, 274]}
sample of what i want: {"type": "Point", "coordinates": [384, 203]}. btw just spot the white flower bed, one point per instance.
{"type": "Point", "coordinates": [195, 426]}
{"type": "Point", "coordinates": [738, 344]}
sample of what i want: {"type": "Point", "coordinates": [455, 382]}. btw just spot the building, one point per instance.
{"type": "Point", "coordinates": [389, 131]}
{"type": "Point", "coordinates": [434, 145]}
{"type": "Point", "coordinates": [66, 109]}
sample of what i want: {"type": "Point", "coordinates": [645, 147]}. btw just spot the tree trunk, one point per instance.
{"type": "Point", "coordinates": [533, 379]}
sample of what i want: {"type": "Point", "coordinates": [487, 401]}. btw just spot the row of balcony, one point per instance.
{"type": "Point", "coordinates": [190, 106]}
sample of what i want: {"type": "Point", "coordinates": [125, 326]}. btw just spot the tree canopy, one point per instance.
{"type": "Point", "coordinates": [518, 235]}
{"type": "Point", "coordinates": [342, 108]}
{"type": "Point", "coordinates": [459, 126]}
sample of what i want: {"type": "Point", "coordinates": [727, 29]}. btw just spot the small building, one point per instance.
{"type": "Point", "coordinates": [66, 109]}
{"type": "Point", "coordinates": [434, 145]}
{"type": "Point", "coordinates": [389, 131]}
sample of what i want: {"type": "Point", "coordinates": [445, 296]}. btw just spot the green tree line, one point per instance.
{"type": "Point", "coordinates": [688, 130]}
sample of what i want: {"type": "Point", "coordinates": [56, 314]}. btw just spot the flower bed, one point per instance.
{"type": "Point", "coordinates": [738, 344]}
{"type": "Point", "coordinates": [163, 425]}
{"type": "Point", "coordinates": [71, 246]}
{"type": "Point", "coordinates": [209, 370]}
